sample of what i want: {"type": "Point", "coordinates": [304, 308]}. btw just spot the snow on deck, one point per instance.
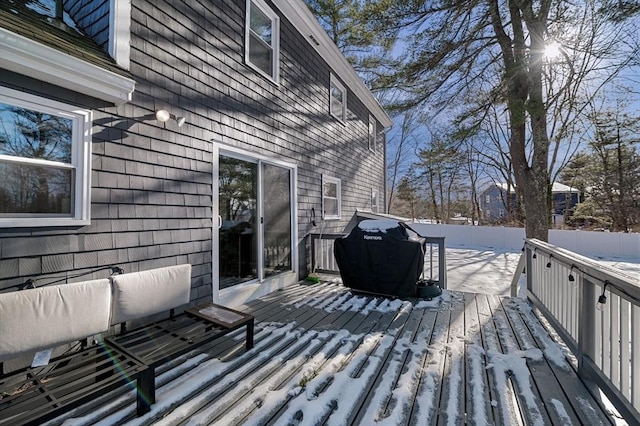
{"type": "Point", "coordinates": [323, 355]}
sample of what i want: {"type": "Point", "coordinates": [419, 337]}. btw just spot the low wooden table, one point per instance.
{"type": "Point", "coordinates": [225, 317]}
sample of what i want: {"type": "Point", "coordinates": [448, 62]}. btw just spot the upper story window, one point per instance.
{"type": "Point", "coordinates": [374, 201]}
{"type": "Point", "coordinates": [337, 99]}
{"type": "Point", "coordinates": [262, 39]}
{"type": "Point", "coordinates": [331, 198]}
{"type": "Point", "coordinates": [372, 133]}
{"type": "Point", "coordinates": [487, 199]}
{"type": "Point", "coordinates": [45, 161]}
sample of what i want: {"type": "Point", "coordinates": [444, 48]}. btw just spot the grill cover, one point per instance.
{"type": "Point", "coordinates": [378, 257]}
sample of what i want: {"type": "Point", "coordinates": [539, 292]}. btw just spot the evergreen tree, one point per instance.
{"type": "Point", "coordinates": [609, 173]}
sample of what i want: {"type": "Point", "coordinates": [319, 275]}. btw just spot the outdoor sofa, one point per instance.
{"type": "Point", "coordinates": [85, 316]}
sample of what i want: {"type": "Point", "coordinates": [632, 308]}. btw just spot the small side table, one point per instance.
{"type": "Point", "coordinates": [224, 317]}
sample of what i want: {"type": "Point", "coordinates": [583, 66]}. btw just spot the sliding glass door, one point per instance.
{"type": "Point", "coordinates": [237, 204]}
{"type": "Point", "coordinates": [255, 225]}
{"type": "Point", "coordinates": [277, 219]}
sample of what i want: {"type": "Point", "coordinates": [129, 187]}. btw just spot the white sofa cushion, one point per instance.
{"type": "Point", "coordinates": [140, 294]}
{"type": "Point", "coordinates": [36, 319]}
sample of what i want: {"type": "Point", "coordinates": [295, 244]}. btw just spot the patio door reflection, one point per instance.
{"type": "Point", "coordinates": [277, 219]}
{"type": "Point", "coordinates": [238, 195]}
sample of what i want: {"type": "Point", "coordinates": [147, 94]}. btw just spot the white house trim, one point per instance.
{"type": "Point", "coordinates": [120, 31]}
{"type": "Point", "coordinates": [33, 59]}
{"type": "Point", "coordinates": [81, 159]}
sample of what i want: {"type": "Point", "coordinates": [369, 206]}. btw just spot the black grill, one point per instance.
{"type": "Point", "coordinates": [378, 257]}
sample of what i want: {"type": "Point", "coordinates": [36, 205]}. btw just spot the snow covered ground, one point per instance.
{"type": "Point", "coordinates": [489, 270]}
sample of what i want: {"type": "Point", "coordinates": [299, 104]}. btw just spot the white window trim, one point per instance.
{"type": "Point", "coordinates": [374, 195]}
{"type": "Point", "coordinates": [333, 81]}
{"type": "Point", "coordinates": [329, 179]}
{"type": "Point", "coordinates": [275, 42]}
{"type": "Point", "coordinates": [81, 159]}
{"type": "Point", "coordinates": [120, 32]}
{"type": "Point", "coordinates": [373, 142]}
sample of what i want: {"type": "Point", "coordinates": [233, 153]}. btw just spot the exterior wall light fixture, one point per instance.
{"type": "Point", "coordinates": [163, 116]}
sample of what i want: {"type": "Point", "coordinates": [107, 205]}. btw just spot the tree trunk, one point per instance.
{"type": "Point", "coordinates": [523, 75]}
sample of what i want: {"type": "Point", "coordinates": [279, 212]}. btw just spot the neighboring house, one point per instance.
{"type": "Point", "coordinates": [495, 199]}
{"type": "Point", "coordinates": [152, 133]}
{"type": "Point", "coordinates": [564, 200]}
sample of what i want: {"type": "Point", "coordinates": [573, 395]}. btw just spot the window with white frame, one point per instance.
{"type": "Point", "coordinates": [331, 198]}
{"type": "Point", "coordinates": [374, 201]}
{"type": "Point", "coordinates": [372, 133]}
{"type": "Point", "coordinates": [45, 161]}
{"type": "Point", "coordinates": [487, 199]}
{"type": "Point", "coordinates": [262, 39]}
{"type": "Point", "coordinates": [337, 99]}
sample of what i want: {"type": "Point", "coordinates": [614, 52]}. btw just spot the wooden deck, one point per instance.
{"type": "Point", "coordinates": [325, 356]}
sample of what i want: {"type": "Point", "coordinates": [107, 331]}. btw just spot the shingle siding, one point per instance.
{"type": "Point", "coordinates": [152, 181]}
{"type": "Point", "coordinates": [92, 17]}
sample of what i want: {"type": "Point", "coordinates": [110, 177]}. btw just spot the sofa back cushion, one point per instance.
{"type": "Point", "coordinates": [41, 318]}
{"type": "Point", "coordinates": [140, 294]}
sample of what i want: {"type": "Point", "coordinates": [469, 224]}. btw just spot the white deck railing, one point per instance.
{"type": "Point", "coordinates": [323, 258]}
{"type": "Point", "coordinates": [605, 338]}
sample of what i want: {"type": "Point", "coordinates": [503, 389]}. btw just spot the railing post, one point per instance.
{"type": "Point", "coordinates": [515, 281]}
{"type": "Point", "coordinates": [587, 332]}
{"type": "Point", "coordinates": [442, 264]}
{"type": "Point", "coordinates": [529, 269]}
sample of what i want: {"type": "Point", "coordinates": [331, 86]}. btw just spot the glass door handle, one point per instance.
{"type": "Point", "coordinates": [219, 221]}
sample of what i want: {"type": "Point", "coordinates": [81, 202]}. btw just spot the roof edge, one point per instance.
{"type": "Point", "coordinates": [45, 63]}
{"type": "Point", "coordinates": [306, 23]}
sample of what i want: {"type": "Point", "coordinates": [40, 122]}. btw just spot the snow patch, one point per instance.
{"type": "Point", "coordinates": [515, 365]}
{"type": "Point", "coordinates": [562, 412]}
{"type": "Point", "coordinates": [381, 225]}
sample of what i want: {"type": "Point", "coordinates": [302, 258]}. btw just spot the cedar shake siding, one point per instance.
{"type": "Point", "coordinates": [151, 182]}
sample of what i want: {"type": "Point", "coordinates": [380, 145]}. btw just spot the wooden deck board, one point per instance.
{"type": "Point", "coordinates": [554, 400]}
{"type": "Point", "coordinates": [564, 375]}
{"type": "Point", "coordinates": [531, 408]}
{"type": "Point", "coordinates": [323, 355]}
{"type": "Point", "coordinates": [506, 406]}
{"type": "Point", "coordinates": [477, 379]}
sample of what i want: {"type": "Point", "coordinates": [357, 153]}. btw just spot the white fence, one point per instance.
{"type": "Point", "coordinates": [568, 289]}
{"type": "Point", "coordinates": [588, 243]}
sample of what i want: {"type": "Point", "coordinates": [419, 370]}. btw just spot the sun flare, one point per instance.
{"type": "Point", "coordinates": [552, 51]}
